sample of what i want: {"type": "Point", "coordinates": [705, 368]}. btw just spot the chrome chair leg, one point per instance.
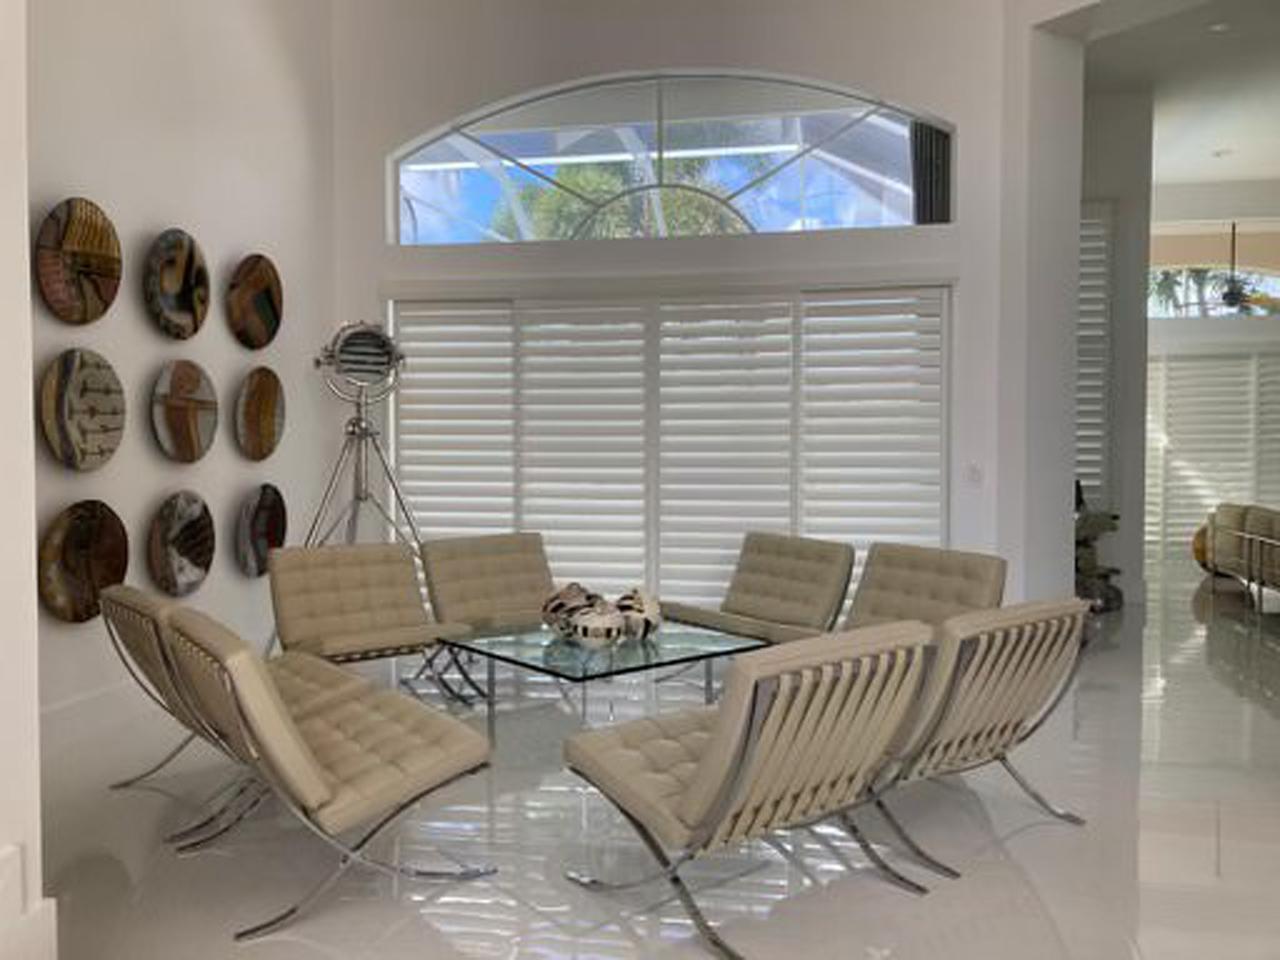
{"type": "Point", "coordinates": [889, 873]}
{"type": "Point", "coordinates": [1064, 815]}
{"type": "Point", "coordinates": [156, 768]}
{"type": "Point", "coordinates": [246, 807]}
{"type": "Point", "coordinates": [792, 857]}
{"type": "Point", "coordinates": [925, 858]}
{"type": "Point", "coordinates": [590, 882]}
{"type": "Point", "coordinates": [238, 786]}
{"type": "Point", "coordinates": [354, 855]}
{"type": "Point", "coordinates": [469, 680]}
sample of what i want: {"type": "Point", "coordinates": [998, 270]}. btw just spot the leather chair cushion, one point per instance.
{"type": "Point", "coordinates": [734, 623]}
{"type": "Point", "coordinates": [308, 684]}
{"type": "Point", "coordinates": [792, 580]}
{"type": "Point", "coordinates": [906, 582]}
{"type": "Point", "coordinates": [380, 749]}
{"type": "Point", "coordinates": [490, 581]}
{"type": "Point", "coordinates": [349, 600]}
{"type": "Point", "coordinates": [646, 766]}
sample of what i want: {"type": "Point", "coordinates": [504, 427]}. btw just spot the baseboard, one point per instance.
{"type": "Point", "coordinates": [32, 935]}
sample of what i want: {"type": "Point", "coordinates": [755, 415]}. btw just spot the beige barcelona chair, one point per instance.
{"type": "Point", "coordinates": [352, 766]}
{"type": "Point", "coordinates": [801, 734]}
{"type": "Point", "coordinates": [783, 588]}
{"type": "Point", "coordinates": [904, 582]}
{"type": "Point", "coordinates": [357, 602]}
{"type": "Point", "coordinates": [493, 583]}
{"type": "Point", "coordinates": [306, 684]}
{"type": "Point", "coordinates": [997, 676]}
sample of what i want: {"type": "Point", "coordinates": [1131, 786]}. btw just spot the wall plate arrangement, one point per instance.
{"type": "Point", "coordinates": [175, 284]}
{"type": "Point", "coordinates": [262, 526]}
{"type": "Point", "coordinates": [180, 544]}
{"type": "Point", "coordinates": [259, 418]}
{"type": "Point", "coordinates": [78, 262]}
{"type": "Point", "coordinates": [83, 551]}
{"type": "Point", "coordinates": [82, 409]}
{"type": "Point", "coordinates": [184, 411]}
{"type": "Point", "coordinates": [255, 301]}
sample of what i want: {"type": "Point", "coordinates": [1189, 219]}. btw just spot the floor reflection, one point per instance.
{"type": "Point", "coordinates": [1169, 745]}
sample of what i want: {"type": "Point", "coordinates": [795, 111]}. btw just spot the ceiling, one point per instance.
{"type": "Point", "coordinates": [1214, 71]}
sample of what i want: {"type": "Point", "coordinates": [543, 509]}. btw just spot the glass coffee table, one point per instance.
{"type": "Point", "coordinates": [540, 650]}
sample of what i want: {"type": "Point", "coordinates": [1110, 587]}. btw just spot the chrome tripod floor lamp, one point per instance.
{"type": "Point", "coordinates": [361, 365]}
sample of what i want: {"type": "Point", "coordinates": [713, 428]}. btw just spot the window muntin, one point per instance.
{"type": "Point", "coordinates": [663, 156]}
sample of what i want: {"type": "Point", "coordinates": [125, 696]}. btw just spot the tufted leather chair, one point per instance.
{"type": "Point", "coordinates": [348, 603]}
{"type": "Point", "coordinates": [783, 588]}
{"type": "Point", "coordinates": [905, 582]}
{"type": "Point", "coordinates": [492, 583]}
{"type": "Point", "coordinates": [358, 759]}
{"type": "Point", "coordinates": [1242, 542]}
{"type": "Point", "coordinates": [801, 733]}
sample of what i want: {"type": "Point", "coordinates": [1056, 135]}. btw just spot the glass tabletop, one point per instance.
{"type": "Point", "coordinates": [541, 650]}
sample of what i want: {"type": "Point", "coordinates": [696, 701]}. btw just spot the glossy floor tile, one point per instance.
{"type": "Point", "coordinates": [1169, 744]}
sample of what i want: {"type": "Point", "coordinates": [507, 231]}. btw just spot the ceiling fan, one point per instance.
{"type": "Point", "coordinates": [1235, 294]}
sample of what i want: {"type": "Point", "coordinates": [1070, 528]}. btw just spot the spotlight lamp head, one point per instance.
{"type": "Point", "coordinates": [361, 363]}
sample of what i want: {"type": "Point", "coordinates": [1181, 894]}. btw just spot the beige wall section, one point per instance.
{"type": "Point", "coordinates": [1117, 171]}
{"type": "Point", "coordinates": [215, 117]}
{"type": "Point", "coordinates": [405, 67]}
{"type": "Point", "coordinates": [26, 917]}
{"type": "Point", "coordinates": [1254, 250]}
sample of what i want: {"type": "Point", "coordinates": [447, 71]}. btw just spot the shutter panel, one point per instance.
{"type": "Point", "coordinates": [725, 429]}
{"type": "Point", "coordinates": [1208, 425]}
{"type": "Point", "coordinates": [1268, 469]}
{"type": "Point", "coordinates": [581, 411]}
{"type": "Point", "coordinates": [454, 416]}
{"type": "Point", "coordinates": [1093, 356]}
{"type": "Point", "coordinates": [1153, 523]}
{"type": "Point", "coordinates": [872, 459]}
{"type": "Point", "coordinates": [643, 439]}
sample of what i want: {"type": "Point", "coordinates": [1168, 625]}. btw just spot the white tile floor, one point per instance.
{"type": "Point", "coordinates": [1169, 745]}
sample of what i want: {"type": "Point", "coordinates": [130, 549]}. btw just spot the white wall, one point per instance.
{"type": "Point", "coordinates": [215, 117]}
{"type": "Point", "coordinates": [404, 67]}
{"type": "Point", "coordinates": [26, 918]}
{"type": "Point", "coordinates": [1117, 169]}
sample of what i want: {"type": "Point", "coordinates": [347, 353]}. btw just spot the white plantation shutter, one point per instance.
{"type": "Point", "coordinates": [454, 416]}
{"type": "Point", "coordinates": [1268, 465]}
{"type": "Point", "coordinates": [724, 437]}
{"type": "Point", "coordinates": [1093, 356]}
{"type": "Point", "coordinates": [644, 438]}
{"type": "Point", "coordinates": [872, 461]}
{"type": "Point", "coordinates": [1203, 443]}
{"type": "Point", "coordinates": [580, 407]}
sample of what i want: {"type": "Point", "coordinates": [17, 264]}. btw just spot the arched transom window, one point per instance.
{"type": "Point", "coordinates": [673, 155]}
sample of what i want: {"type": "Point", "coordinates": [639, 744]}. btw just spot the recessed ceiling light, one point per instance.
{"type": "Point", "coordinates": [1223, 152]}
{"type": "Point", "coordinates": [1220, 27]}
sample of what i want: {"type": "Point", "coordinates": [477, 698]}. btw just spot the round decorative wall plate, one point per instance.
{"type": "Point", "coordinates": [83, 551]}
{"type": "Point", "coordinates": [255, 301]}
{"type": "Point", "coordinates": [184, 411]}
{"type": "Point", "coordinates": [175, 284]}
{"type": "Point", "coordinates": [82, 409]}
{"type": "Point", "coordinates": [180, 544]}
{"type": "Point", "coordinates": [261, 528]}
{"type": "Point", "coordinates": [259, 413]}
{"type": "Point", "coordinates": [78, 262]}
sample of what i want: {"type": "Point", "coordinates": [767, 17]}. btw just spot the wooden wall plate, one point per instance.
{"type": "Point", "coordinates": [180, 544]}
{"type": "Point", "coordinates": [260, 411]}
{"type": "Point", "coordinates": [262, 526]}
{"type": "Point", "coordinates": [175, 284]}
{"type": "Point", "coordinates": [82, 409]}
{"type": "Point", "coordinates": [184, 411]}
{"type": "Point", "coordinates": [255, 301]}
{"type": "Point", "coordinates": [78, 261]}
{"type": "Point", "coordinates": [83, 551]}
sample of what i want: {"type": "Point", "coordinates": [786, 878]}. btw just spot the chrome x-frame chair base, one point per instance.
{"type": "Point", "coordinates": [159, 765]}
{"type": "Point", "coordinates": [670, 871]}
{"type": "Point", "coordinates": [355, 855]}
{"type": "Point", "coordinates": [434, 671]}
{"type": "Point", "coordinates": [1054, 811]}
